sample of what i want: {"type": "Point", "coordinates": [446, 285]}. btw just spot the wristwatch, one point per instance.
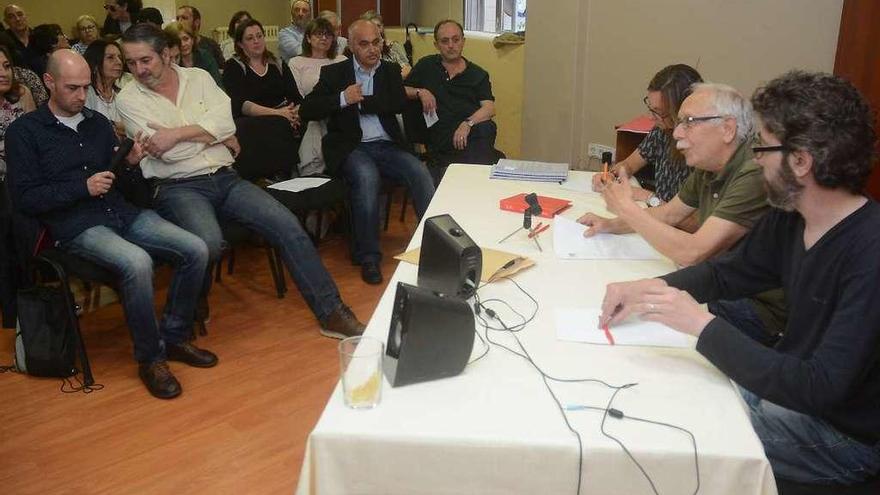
{"type": "Point", "coordinates": [469, 122]}
{"type": "Point", "coordinates": [653, 201]}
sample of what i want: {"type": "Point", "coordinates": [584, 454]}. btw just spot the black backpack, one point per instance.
{"type": "Point", "coordinates": [45, 340]}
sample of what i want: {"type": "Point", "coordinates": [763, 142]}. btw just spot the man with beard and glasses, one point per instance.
{"type": "Point", "coordinates": [813, 398]}
{"type": "Point", "coordinates": [713, 130]}
{"type": "Point", "coordinates": [290, 38]}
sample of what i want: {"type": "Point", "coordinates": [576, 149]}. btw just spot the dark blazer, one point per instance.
{"type": "Point", "coordinates": [343, 125]}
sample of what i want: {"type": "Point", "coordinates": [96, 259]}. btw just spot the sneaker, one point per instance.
{"type": "Point", "coordinates": [187, 353]}
{"type": "Point", "coordinates": [159, 380]}
{"type": "Point", "coordinates": [341, 323]}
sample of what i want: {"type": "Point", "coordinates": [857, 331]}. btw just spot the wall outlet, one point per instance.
{"type": "Point", "coordinates": [595, 150]}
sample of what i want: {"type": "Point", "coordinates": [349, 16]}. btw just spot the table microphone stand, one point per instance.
{"type": "Point", "coordinates": [534, 208]}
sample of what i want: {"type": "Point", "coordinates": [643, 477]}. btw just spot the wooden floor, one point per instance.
{"type": "Point", "coordinates": [240, 427]}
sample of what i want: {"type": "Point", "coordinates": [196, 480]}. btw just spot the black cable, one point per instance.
{"type": "Point", "coordinates": [608, 410]}
{"type": "Point", "coordinates": [80, 387]}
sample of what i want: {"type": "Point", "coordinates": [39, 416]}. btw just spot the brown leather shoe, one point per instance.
{"type": "Point", "coordinates": [341, 323]}
{"type": "Point", "coordinates": [159, 380]}
{"type": "Point", "coordinates": [185, 352]}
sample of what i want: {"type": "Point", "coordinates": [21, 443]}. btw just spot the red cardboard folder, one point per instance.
{"type": "Point", "coordinates": [549, 206]}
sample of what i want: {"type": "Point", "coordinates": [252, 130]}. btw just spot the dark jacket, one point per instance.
{"type": "Point", "coordinates": [343, 125]}
{"type": "Point", "coordinates": [49, 164]}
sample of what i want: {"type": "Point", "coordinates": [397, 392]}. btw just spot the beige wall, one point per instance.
{"type": "Point", "coordinates": [602, 53]}
{"type": "Point", "coordinates": [429, 12]}
{"type": "Point", "coordinates": [214, 12]}
{"type": "Point", "coordinates": [505, 68]}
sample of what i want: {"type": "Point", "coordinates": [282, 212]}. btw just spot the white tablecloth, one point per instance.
{"type": "Point", "coordinates": [495, 429]}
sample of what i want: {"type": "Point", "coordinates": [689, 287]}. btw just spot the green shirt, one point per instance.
{"type": "Point", "coordinates": [737, 194]}
{"type": "Point", "coordinates": [457, 98]}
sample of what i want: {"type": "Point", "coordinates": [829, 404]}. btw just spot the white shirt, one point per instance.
{"type": "Point", "coordinates": [106, 108]}
{"type": "Point", "coordinates": [199, 102]}
{"type": "Point", "coordinates": [72, 122]}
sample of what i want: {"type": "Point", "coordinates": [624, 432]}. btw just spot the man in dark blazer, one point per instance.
{"type": "Point", "coordinates": [360, 99]}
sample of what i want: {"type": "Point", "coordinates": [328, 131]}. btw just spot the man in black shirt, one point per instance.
{"type": "Point", "coordinates": [459, 93]}
{"type": "Point", "coordinates": [814, 398]}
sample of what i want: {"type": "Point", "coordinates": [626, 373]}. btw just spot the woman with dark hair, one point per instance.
{"type": "Point", "coordinates": [45, 39]}
{"type": "Point", "coordinates": [257, 82]}
{"type": "Point", "coordinates": [667, 89]}
{"type": "Point", "coordinates": [319, 49]}
{"type": "Point", "coordinates": [392, 51]}
{"type": "Point", "coordinates": [228, 44]}
{"type": "Point", "coordinates": [105, 64]}
{"type": "Point", "coordinates": [191, 55]}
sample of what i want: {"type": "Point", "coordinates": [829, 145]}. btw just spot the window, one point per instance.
{"type": "Point", "coordinates": [495, 16]}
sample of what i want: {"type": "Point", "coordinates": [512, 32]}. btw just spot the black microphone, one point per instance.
{"type": "Point", "coordinates": [123, 150]}
{"type": "Point", "coordinates": [534, 205]}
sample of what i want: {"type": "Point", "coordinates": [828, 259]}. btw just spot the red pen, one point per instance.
{"type": "Point", "coordinates": [608, 334]}
{"type": "Point", "coordinates": [538, 230]}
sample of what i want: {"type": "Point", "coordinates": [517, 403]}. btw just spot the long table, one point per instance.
{"type": "Point", "coordinates": [495, 428]}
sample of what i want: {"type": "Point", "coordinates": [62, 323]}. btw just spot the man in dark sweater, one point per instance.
{"type": "Point", "coordinates": [814, 398]}
{"type": "Point", "coordinates": [59, 169]}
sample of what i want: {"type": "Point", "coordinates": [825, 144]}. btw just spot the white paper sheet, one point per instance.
{"type": "Point", "coordinates": [431, 118]}
{"type": "Point", "coordinates": [570, 243]}
{"type": "Point", "coordinates": [299, 184]}
{"type": "Point", "coordinates": [579, 182]}
{"type": "Point", "coordinates": [579, 325]}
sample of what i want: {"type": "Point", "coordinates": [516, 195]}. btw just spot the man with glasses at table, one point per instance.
{"type": "Point", "coordinates": [713, 131]}
{"type": "Point", "coordinates": [813, 398]}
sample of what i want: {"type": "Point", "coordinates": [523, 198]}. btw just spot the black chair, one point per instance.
{"type": "Point", "coordinates": [270, 152]}
{"type": "Point", "coordinates": [870, 487]}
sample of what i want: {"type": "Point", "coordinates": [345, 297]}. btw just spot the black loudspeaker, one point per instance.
{"type": "Point", "coordinates": [431, 336]}
{"type": "Point", "coordinates": [450, 262]}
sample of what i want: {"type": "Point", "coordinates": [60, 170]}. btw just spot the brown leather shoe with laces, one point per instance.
{"type": "Point", "coordinates": [159, 380]}
{"type": "Point", "coordinates": [341, 323]}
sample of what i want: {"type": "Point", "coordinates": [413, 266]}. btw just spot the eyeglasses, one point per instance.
{"type": "Point", "coordinates": [690, 122]}
{"type": "Point", "coordinates": [90, 27]}
{"type": "Point", "coordinates": [110, 7]}
{"type": "Point", "coordinates": [758, 149]}
{"type": "Point", "coordinates": [324, 35]}
{"type": "Point", "coordinates": [655, 113]}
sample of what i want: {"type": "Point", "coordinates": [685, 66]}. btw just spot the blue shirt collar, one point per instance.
{"type": "Point", "coordinates": [359, 68]}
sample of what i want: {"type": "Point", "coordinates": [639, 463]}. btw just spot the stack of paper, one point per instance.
{"type": "Point", "coordinates": [530, 171]}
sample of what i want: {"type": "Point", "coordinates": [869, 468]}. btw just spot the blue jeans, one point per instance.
{"type": "Point", "coordinates": [127, 251]}
{"type": "Point", "coordinates": [195, 203]}
{"type": "Point", "coordinates": [741, 314]}
{"type": "Point", "coordinates": [807, 449]}
{"type": "Point", "coordinates": [363, 170]}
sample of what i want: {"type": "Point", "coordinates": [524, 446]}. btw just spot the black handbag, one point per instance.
{"type": "Point", "coordinates": [45, 340]}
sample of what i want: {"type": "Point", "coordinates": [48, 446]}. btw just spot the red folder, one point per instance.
{"type": "Point", "coordinates": [549, 206]}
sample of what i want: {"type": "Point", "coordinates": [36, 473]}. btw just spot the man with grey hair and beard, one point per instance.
{"type": "Point", "coordinates": [813, 397]}
{"type": "Point", "coordinates": [290, 38]}
{"type": "Point", "coordinates": [713, 132]}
